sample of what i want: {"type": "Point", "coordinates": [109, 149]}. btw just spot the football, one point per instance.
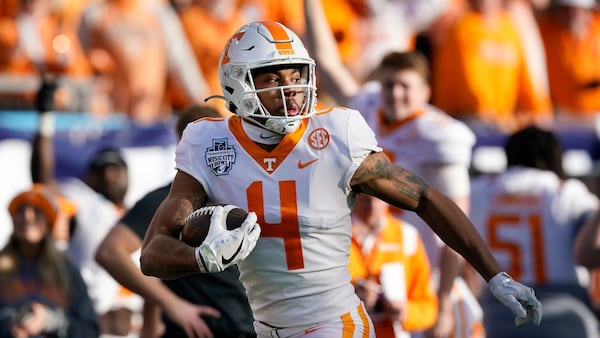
{"type": "Point", "coordinates": [197, 223]}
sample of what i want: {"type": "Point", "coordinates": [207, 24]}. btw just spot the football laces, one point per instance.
{"type": "Point", "coordinates": [206, 210]}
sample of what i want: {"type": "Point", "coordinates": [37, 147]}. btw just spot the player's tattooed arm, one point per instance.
{"type": "Point", "coordinates": [377, 176]}
{"type": "Point", "coordinates": [187, 195]}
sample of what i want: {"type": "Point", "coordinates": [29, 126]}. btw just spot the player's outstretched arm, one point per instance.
{"type": "Point", "coordinates": [163, 255]}
{"type": "Point", "coordinates": [378, 177]}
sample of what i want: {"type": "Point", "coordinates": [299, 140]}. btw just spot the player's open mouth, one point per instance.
{"type": "Point", "coordinates": [289, 111]}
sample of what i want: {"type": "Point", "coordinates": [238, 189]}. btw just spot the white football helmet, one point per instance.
{"type": "Point", "coordinates": [258, 45]}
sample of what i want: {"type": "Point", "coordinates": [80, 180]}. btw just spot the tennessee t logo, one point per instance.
{"type": "Point", "coordinates": [237, 36]}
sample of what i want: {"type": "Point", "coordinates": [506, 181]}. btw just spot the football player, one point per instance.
{"type": "Point", "coordinates": [296, 170]}
{"type": "Point", "coordinates": [530, 215]}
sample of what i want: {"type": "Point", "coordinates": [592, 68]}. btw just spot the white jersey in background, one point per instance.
{"type": "Point", "coordinates": [300, 192]}
{"type": "Point", "coordinates": [422, 144]}
{"type": "Point", "coordinates": [438, 148]}
{"type": "Point", "coordinates": [529, 219]}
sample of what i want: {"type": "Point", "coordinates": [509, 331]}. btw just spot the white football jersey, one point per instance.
{"type": "Point", "coordinates": [424, 144]}
{"type": "Point", "coordinates": [298, 272]}
{"type": "Point", "coordinates": [430, 138]}
{"type": "Point", "coordinates": [528, 218]}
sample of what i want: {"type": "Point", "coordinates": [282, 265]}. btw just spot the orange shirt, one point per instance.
{"type": "Point", "coordinates": [207, 36]}
{"type": "Point", "coordinates": [288, 12]}
{"type": "Point", "coordinates": [573, 66]}
{"type": "Point", "coordinates": [62, 51]}
{"type": "Point", "coordinates": [13, 60]}
{"type": "Point", "coordinates": [399, 242]}
{"type": "Point", "coordinates": [64, 54]}
{"type": "Point", "coordinates": [479, 71]}
{"type": "Point", "coordinates": [343, 18]}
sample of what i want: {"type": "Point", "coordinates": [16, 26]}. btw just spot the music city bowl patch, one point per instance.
{"type": "Point", "coordinates": [220, 157]}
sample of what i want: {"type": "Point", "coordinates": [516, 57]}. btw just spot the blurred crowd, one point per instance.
{"type": "Point", "coordinates": [495, 65]}
{"type": "Point", "coordinates": [499, 64]}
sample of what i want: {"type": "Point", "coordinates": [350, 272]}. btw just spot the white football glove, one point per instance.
{"type": "Point", "coordinates": [518, 297]}
{"type": "Point", "coordinates": [223, 248]}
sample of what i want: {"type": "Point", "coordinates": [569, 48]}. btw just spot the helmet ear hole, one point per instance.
{"type": "Point", "coordinates": [232, 108]}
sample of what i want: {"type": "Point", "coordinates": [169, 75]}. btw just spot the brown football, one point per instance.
{"type": "Point", "coordinates": [197, 223]}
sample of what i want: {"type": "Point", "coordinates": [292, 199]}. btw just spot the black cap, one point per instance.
{"type": "Point", "coordinates": [105, 157]}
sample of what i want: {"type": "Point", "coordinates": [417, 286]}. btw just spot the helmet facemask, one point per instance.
{"type": "Point", "coordinates": [255, 49]}
{"type": "Point", "coordinates": [290, 103]}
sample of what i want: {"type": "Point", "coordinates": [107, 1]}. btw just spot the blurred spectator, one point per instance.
{"type": "Point", "coordinates": [433, 33]}
{"type": "Point", "coordinates": [523, 14]}
{"type": "Point", "coordinates": [571, 35]}
{"type": "Point", "coordinates": [197, 305]}
{"type": "Point", "coordinates": [220, 19]}
{"type": "Point", "coordinates": [100, 201]}
{"type": "Point", "coordinates": [42, 294]}
{"type": "Point", "coordinates": [364, 31]}
{"type": "Point", "coordinates": [38, 38]}
{"type": "Point", "coordinates": [480, 72]}
{"type": "Point", "coordinates": [335, 77]}
{"type": "Point", "coordinates": [287, 12]}
{"type": "Point", "coordinates": [393, 26]}
{"type": "Point", "coordinates": [139, 47]}
{"type": "Point", "coordinates": [529, 215]}
{"type": "Point", "coordinates": [65, 213]}
{"type": "Point", "coordinates": [344, 20]}
{"type": "Point", "coordinates": [390, 270]}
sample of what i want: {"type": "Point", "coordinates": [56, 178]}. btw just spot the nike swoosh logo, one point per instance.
{"type": "Point", "coordinates": [226, 261]}
{"type": "Point", "coordinates": [302, 165]}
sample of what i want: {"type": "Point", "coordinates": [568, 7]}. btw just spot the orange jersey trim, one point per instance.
{"type": "Point", "coordinates": [260, 155]}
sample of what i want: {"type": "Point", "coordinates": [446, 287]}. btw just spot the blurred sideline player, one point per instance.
{"type": "Point", "coordinates": [390, 270]}
{"type": "Point", "coordinates": [530, 216]}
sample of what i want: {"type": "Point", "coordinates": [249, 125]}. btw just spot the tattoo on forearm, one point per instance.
{"type": "Point", "coordinates": [379, 167]}
{"type": "Point", "coordinates": [197, 200]}
{"type": "Point", "coordinates": [415, 189]}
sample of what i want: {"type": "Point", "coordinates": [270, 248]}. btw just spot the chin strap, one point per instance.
{"type": "Point", "coordinates": [281, 126]}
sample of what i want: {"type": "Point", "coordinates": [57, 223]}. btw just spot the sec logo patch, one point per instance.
{"type": "Point", "coordinates": [319, 139]}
